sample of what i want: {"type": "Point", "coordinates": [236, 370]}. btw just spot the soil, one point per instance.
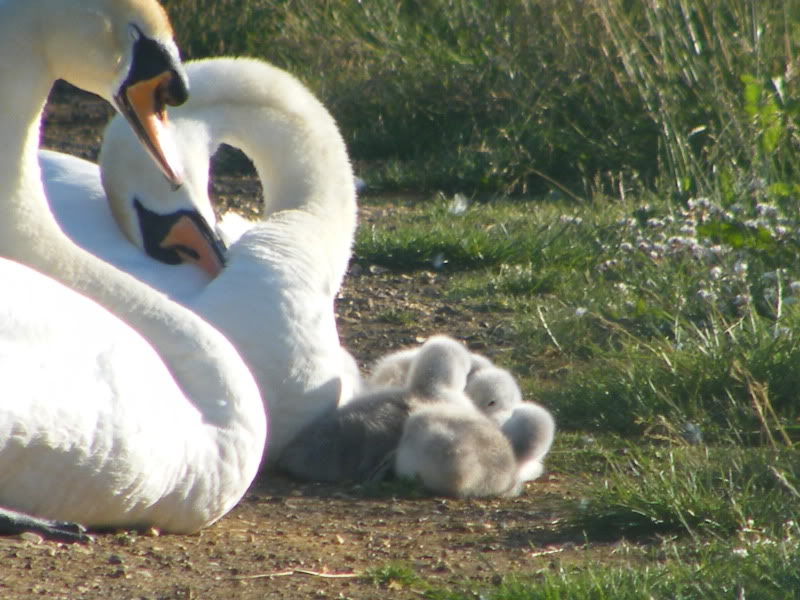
{"type": "Point", "coordinates": [287, 539]}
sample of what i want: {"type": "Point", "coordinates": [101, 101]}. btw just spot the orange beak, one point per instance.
{"type": "Point", "coordinates": [143, 105]}
{"type": "Point", "coordinates": [193, 245]}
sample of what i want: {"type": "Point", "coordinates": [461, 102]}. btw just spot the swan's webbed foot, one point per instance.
{"type": "Point", "coordinates": [13, 522]}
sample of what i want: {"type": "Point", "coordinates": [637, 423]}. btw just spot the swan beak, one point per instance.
{"type": "Point", "coordinates": [156, 78]}
{"type": "Point", "coordinates": [181, 236]}
{"type": "Point", "coordinates": [143, 104]}
{"type": "Point", "coordinates": [195, 243]}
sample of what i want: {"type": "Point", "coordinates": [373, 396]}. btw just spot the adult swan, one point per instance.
{"type": "Point", "coordinates": [275, 298]}
{"type": "Point", "coordinates": [97, 425]}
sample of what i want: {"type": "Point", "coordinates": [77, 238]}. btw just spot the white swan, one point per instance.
{"type": "Point", "coordinates": [354, 441]}
{"type": "Point", "coordinates": [96, 425]}
{"type": "Point", "coordinates": [79, 203]}
{"type": "Point", "coordinates": [275, 298]}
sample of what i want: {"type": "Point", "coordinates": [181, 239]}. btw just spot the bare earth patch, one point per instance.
{"type": "Point", "coordinates": [286, 539]}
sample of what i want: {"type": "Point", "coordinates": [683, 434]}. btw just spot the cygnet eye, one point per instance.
{"type": "Point", "coordinates": [491, 402]}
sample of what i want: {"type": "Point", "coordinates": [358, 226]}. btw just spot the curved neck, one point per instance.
{"type": "Point", "coordinates": [30, 235]}
{"type": "Point", "coordinates": [302, 166]}
{"type": "Point", "coordinates": [293, 141]}
{"type": "Point", "coordinates": [305, 174]}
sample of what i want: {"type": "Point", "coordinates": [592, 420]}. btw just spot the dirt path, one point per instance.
{"type": "Point", "coordinates": [284, 536]}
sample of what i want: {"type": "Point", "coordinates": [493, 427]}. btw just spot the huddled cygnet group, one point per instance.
{"type": "Point", "coordinates": [438, 414]}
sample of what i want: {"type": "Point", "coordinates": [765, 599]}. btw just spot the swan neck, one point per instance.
{"type": "Point", "coordinates": [300, 157]}
{"type": "Point", "coordinates": [29, 234]}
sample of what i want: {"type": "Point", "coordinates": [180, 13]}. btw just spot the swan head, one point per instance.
{"type": "Point", "coordinates": [129, 43]}
{"type": "Point", "coordinates": [171, 226]}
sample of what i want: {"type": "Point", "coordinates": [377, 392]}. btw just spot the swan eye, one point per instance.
{"type": "Point", "coordinates": [134, 32]}
{"type": "Point", "coordinates": [491, 402]}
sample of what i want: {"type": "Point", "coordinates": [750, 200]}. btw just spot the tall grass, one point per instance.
{"type": "Point", "coordinates": [524, 95]}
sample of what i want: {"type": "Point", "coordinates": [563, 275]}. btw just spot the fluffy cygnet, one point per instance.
{"type": "Point", "coordinates": [495, 393]}
{"type": "Point", "coordinates": [392, 369]}
{"type": "Point", "coordinates": [462, 453]}
{"type": "Point", "coordinates": [352, 441]}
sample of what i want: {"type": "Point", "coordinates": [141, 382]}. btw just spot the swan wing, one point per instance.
{"type": "Point", "coordinates": [88, 407]}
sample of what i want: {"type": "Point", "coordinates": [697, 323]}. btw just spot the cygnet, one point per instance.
{"type": "Point", "coordinates": [392, 369]}
{"type": "Point", "coordinates": [495, 393]}
{"type": "Point", "coordinates": [352, 441]}
{"type": "Point", "coordinates": [462, 453]}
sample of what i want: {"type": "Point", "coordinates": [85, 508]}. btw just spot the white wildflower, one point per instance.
{"type": "Point", "coordinates": [458, 205]}
{"type": "Point", "coordinates": [609, 264]}
{"type": "Point", "coordinates": [766, 210]}
{"type": "Point", "coordinates": [438, 261]}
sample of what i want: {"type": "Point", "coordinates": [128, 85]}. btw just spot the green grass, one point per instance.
{"type": "Point", "coordinates": [754, 567]}
{"type": "Point", "coordinates": [693, 490]}
{"type": "Point", "coordinates": [523, 96]}
{"type": "Point", "coordinates": [654, 317]}
{"type": "Point", "coordinates": [652, 290]}
{"type": "Point", "coordinates": [395, 576]}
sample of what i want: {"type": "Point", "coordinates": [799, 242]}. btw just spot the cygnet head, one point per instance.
{"type": "Point", "coordinates": [441, 366]}
{"type": "Point", "coordinates": [392, 369]}
{"type": "Point", "coordinates": [495, 393]}
{"type": "Point", "coordinates": [530, 431]}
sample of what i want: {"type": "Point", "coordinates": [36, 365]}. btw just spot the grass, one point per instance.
{"type": "Point", "coordinates": [648, 293]}
{"type": "Point", "coordinates": [667, 330]}
{"type": "Point", "coordinates": [527, 96]}
{"type": "Point", "coordinates": [753, 567]}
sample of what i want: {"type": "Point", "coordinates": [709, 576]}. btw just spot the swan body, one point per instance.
{"type": "Point", "coordinates": [118, 407]}
{"type": "Point", "coordinates": [353, 441]}
{"type": "Point", "coordinates": [275, 298]}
